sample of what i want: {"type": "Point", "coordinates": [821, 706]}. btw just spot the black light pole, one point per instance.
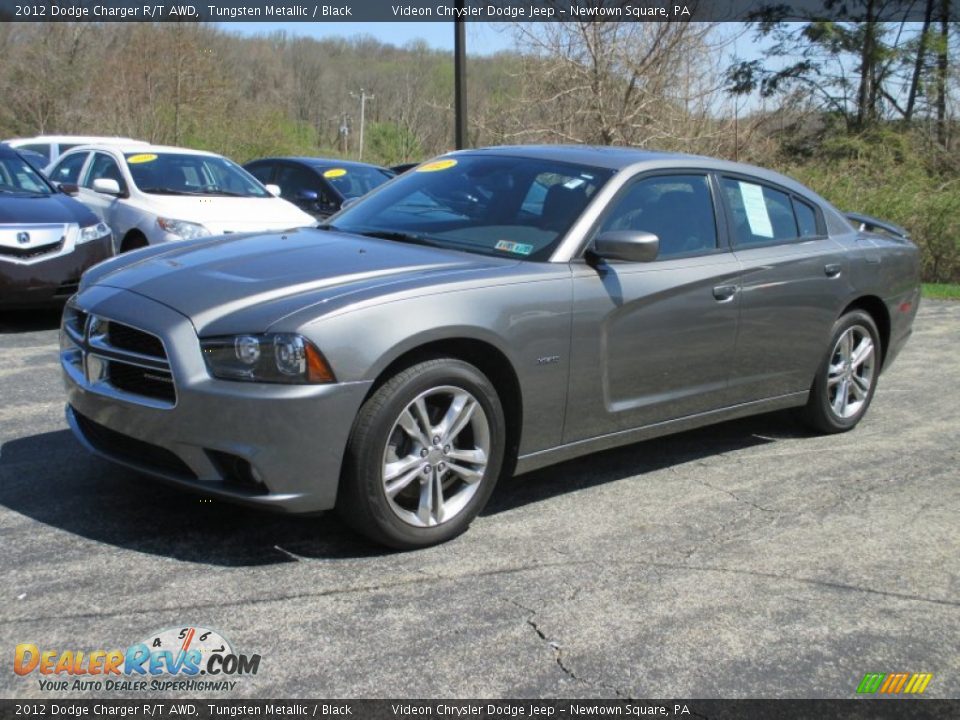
{"type": "Point", "coordinates": [460, 78]}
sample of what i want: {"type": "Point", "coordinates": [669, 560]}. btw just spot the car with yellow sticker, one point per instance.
{"type": "Point", "coordinates": [319, 186]}
{"type": "Point", "coordinates": [152, 194]}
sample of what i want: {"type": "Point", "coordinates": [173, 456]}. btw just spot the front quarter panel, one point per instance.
{"type": "Point", "coordinates": [526, 320]}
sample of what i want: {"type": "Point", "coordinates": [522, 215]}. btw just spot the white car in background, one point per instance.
{"type": "Point", "coordinates": [53, 146]}
{"type": "Point", "coordinates": [151, 194]}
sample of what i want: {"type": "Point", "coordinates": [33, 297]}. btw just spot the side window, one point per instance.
{"type": "Point", "coordinates": [104, 167]}
{"type": "Point", "coordinates": [261, 172]}
{"type": "Point", "coordinates": [806, 218]}
{"type": "Point", "coordinates": [760, 214]}
{"type": "Point", "coordinates": [292, 179]}
{"type": "Point", "coordinates": [678, 209]}
{"type": "Point", "coordinates": [68, 169]}
{"type": "Point", "coordinates": [42, 148]}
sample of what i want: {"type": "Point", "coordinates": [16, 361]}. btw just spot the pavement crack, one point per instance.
{"type": "Point", "coordinates": [558, 653]}
{"type": "Point", "coordinates": [737, 497]}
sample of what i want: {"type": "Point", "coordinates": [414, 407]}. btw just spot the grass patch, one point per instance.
{"type": "Point", "coordinates": [942, 291]}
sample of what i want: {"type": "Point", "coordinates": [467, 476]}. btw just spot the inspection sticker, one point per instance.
{"type": "Point", "coordinates": [335, 173]}
{"type": "Point", "coordinates": [514, 247]}
{"type": "Point", "coordinates": [142, 158]}
{"type": "Point", "coordinates": [437, 165]}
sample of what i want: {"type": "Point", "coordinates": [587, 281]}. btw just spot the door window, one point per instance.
{"type": "Point", "coordinates": [68, 169]}
{"type": "Point", "coordinates": [762, 215]}
{"type": "Point", "coordinates": [293, 179]}
{"type": "Point", "coordinates": [678, 209]}
{"type": "Point", "coordinates": [261, 172]}
{"type": "Point", "coordinates": [104, 167]}
{"type": "Point", "coordinates": [42, 148]}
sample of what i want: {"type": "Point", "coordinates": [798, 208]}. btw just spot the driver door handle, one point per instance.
{"type": "Point", "coordinates": [832, 269]}
{"type": "Point", "coordinates": [723, 293]}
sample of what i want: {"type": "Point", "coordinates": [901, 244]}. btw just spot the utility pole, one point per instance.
{"type": "Point", "coordinates": [363, 103]}
{"type": "Point", "coordinates": [460, 79]}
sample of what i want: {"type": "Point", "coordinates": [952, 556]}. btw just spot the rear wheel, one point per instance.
{"type": "Point", "coordinates": [847, 377]}
{"type": "Point", "coordinates": [425, 453]}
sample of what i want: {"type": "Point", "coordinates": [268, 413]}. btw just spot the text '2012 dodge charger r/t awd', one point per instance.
{"type": "Point", "coordinates": [491, 310]}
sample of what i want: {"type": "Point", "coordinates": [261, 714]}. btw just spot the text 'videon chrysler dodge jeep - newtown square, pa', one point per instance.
{"type": "Point", "coordinates": [490, 311]}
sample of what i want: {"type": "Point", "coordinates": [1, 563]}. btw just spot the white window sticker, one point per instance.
{"type": "Point", "coordinates": [756, 208]}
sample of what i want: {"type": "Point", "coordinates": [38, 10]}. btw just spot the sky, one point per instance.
{"type": "Point", "coordinates": [482, 38]}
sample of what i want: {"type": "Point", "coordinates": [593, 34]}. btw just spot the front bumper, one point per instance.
{"type": "Point", "coordinates": [51, 280]}
{"type": "Point", "coordinates": [276, 446]}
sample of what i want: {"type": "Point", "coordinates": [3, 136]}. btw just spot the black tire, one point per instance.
{"type": "Point", "coordinates": [820, 413]}
{"type": "Point", "coordinates": [362, 500]}
{"type": "Point", "coordinates": [133, 241]}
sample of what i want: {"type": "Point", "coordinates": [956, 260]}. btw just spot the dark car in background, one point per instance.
{"type": "Point", "coordinates": [47, 239]}
{"type": "Point", "coordinates": [319, 186]}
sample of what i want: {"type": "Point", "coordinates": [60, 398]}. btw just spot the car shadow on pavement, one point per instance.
{"type": "Point", "coordinates": [29, 320]}
{"type": "Point", "coordinates": [51, 479]}
{"type": "Point", "coordinates": [642, 457]}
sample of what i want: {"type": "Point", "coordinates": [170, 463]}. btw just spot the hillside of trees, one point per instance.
{"type": "Point", "coordinates": [863, 111]}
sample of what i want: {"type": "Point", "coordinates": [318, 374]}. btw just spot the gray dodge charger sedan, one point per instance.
{"type": "Point", "coordinates": [492, 311]}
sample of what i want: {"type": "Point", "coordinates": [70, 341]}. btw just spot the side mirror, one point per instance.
{"type": "Point", "coordinates": [70, 189]}
{"type": "Point", "coordinates": [628, 245]}
{"type": "Point", "coordinates": [273, 189]}
{"type": "Point", "coordinates": [307, 196]}
{"type": "Point", "coordinates": [107, 186]}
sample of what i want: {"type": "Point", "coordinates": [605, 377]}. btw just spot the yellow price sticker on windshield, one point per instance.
{"type": "Point", "coordinates": [437, 165]}
{"type": "Point", "coordinates": [335, 173]}
{"type": "Point", "coordinates": [142, 158]}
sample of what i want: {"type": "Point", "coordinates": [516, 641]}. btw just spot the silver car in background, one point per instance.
{"type": "Point", "coordinates": [492, 311]}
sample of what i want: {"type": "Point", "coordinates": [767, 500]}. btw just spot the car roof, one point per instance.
{"type": "Point", "coordinates": [320, 161]}
{"type": "Point", "coordinates": [85, 139]}
{"type": "Point", "coordinates": [617, 158]}
{"type": "Point", "coordinates": [137, 147]}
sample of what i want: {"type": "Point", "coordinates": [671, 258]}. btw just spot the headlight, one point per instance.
{"type": "Point", "coordinates": [93, 232]}
{"type": "Point", "coordinates": [182, 229]}
{"type": "Point", "coordinates": [272, 358]}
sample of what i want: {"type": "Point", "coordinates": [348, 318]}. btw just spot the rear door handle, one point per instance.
{"type": "Point", "coordinates": [724, 292]}
{"type": "Point", "coordinates": [832, 269]}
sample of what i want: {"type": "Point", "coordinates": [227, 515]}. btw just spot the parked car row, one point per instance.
{"type": "Point", "coordinates": [149, 194]}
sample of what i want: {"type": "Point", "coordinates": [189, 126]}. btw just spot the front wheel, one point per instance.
{"type": "Point", "coordinates": [425, 453]}
{"type": "Point", "coordinates": [847, 377]}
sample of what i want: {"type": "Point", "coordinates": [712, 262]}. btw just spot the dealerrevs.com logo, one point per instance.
{"type": "Point", "coordinates": [176, 659]}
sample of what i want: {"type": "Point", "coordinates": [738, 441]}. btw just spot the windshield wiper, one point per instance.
{"type": "Point", "coordinates": [397, 236]}
{"type": "Point", "coordinates": [217, 191]}
{"type": "Point", "coordinates": [165, 191]}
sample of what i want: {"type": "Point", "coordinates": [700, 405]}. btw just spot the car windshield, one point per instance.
{"type": "Point", "coordinates": [183, 174]}
{"type": "Point", "coordinates": [18, 178]}
{"type": "Point", "coordinates": [495, 205]}
{"type": "Point", "coordinates": [354, 180]}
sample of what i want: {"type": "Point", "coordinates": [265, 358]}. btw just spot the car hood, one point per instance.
{"type": "Point", "coordinates": [58, 208]}
{"type": "Point", "coordinates": [245, 283]}
{"type": "Point", "coordinates": [231, 214]}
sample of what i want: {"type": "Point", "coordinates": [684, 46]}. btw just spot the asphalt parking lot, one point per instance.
{"type": "Point", "coordinates": [750, 559]}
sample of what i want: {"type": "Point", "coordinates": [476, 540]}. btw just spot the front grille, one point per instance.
{"type": "Point", "coordinates": [141, 381]}
{"type": "Point", "coordinates": [30, 252]}
{"type": "Point", "coordinates": [137, 452]}
{"type": "Point", "coordinates": [102, 353]}
{"type": "Point", "coordinates": [124, 337]}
